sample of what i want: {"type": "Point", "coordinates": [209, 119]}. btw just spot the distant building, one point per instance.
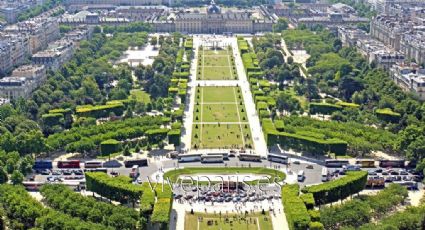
{"type": "Point", "coordinates": [216, 20]}
{"type": "Point", "coordinates": [56, 55]}
{"type": "Point", "coordinates": [22, 82]}
{"type": "Point", "coordinates": [410, 78]}
{"type": "Point", "coordinates": [41, 32]}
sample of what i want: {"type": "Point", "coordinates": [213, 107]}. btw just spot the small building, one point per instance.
{"type": "Point", "coordinates": [410, 78]}
{"type": "Point", "coordinates": [22, 82]}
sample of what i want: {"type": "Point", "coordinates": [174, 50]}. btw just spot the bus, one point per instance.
{"type": "Point", "coordinates": [105, 170]}
{"type": "Point", "coordinates": [249, 157]}
{"type": "Point", "coordinates": [138, 162]}
{"type": "Point", "coordinates": [69, 164]}
{"type": "Point", "coordinates": [212, 158]}
{"type": "Point", "coordinates": [410, 185]}
{"type": "Point", "coordinates": [224, 155]}
{"type": "Point", "coordinates": [391, 163]}
{"type": "Point", "coordinates": [189, 157]}
{"type": "Point", "coordinates": [92, 164]}
{"type": "Point", "coordinates": [277, 158]}
{"type": "Point", "coordinates": [42, 164]}
{"type": "Point", "coordinates": [325, 174]}
{"type": "Point", "coordinates": [336, 163]}
{"type": "Point", "coordinates": [32, 185]}
{"type": "Point", "coordinates": [366, 163]}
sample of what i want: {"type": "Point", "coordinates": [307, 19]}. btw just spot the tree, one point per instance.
{"type": "Point", "coordinates": [3, 176]}
{"type": "Point", "coordinates": [348, 86]}
{"type": "Point", "coordinates": [282, 24]}
{"type": "Point", "coordinates": [154, 41]}
{"type": "Point", "coordinates": [17, 177]}
{"type": "Point", "coordinates": [126, 151]}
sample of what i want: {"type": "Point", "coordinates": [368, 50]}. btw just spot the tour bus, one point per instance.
{"type": "Point", "coordinates": [391, 163]}
{"type": "Point", "coordinates": [249, 157]}
{"type": "Point", "coordinates": [138, 162]}
{"type": "Point", "coordinates": [189, 157]}
{"type": "Point", "coordinates": [325, 174]}
{"type": "Point", "coordinates": [224, 155]}
{"type": "Point", "coordinates": [301, 176]}
{"type": "Point", "coordinates": [42, 164]}
{"type": "Point", "coordinates": [212, 158]}
{"type": "Point", "coordinates": [105, 170]}
{"type": "Point", "coordinates": [336, 163]}
{"type": "Point", "coordinates": [32, 185]}
{"type": "Point", "coordinates": [69, 164]}
{"type": "Point", "coordinates": [92, 164]}
{"type": "Point", "coordinates": [351, 167]}
{"type": "Point", "coordinates": [410, 185]}
{"type": "Point", "coordinates": [366, 163]}
{"type": "Point", "coordinates": [277, 158]}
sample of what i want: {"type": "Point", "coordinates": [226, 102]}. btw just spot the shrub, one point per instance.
{"type": "Point", "coordinates": [295, 210]}
{"type": "Point", "coordinates": [110, 146]}
{"type": "Point", "coordinates": [332, 191]}
{"type": "Point", "coordinates": [308, 200]}
{"type": "Point", "coordinates": [316, 226]}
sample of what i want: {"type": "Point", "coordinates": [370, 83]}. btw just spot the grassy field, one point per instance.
{"type": "Point", "coordinates": [174, 174]}
{"type": "Point", "coordinates": [140, 96]}
{"type": "Point", "coordinates": [216, 65]}
{"type": "Point", "coordinates": [202, 221]}
{"type": "Point", "coordinates": [220, 119]}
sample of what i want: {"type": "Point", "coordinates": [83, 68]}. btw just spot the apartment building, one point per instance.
{"type": "Point", "coordinates": [22, 82]}
{"type": "Point", "coordinates": [410, 78]}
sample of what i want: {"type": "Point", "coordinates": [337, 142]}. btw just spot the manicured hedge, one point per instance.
{"type": "Point", "coordinates": [280, 126]}
{"type": "Point", "coordinates": [323, 108]}
{"type": "Point", "coordinates": [110, 146]}
{"type": "Point", "coordinates": [174, 137]}
{"type": "Point", "coordinates": [294, 208]}
{"type": "Point", "coordinates": [270, 133]}
{"type": "Point", "coordinates": [316, 226]}
{"type": "Point", "coordinates": [99, 111]}
{"type": "Point", "coordinates": [261, 105]}
{"type": "Point", "coordinates": [264, 114]}
{"type": "Point", "coordinates": [311, 144]}
{"type": "Point", "coordinates": [353, 182]}
{"type": "Point", "coordinates": [156, 135]}
{"type": "Point", "coordinates": [52, 119]}
{"type": "Point", "coordinates": [387, 115]}
{"type": "Point", "coordinates": [117, 188]}
{"type": "Point", "coordinates": [147, 200]}
{"type": "Point", "coordinates": [348, 105]}
{"type": "Point", "coordinates": [308, 200]}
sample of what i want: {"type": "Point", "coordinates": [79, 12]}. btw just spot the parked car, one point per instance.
{"type": "Point", "coordinates": [45, 172]}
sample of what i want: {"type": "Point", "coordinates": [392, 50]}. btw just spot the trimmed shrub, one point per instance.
{"type": "Point", "coordinates": [316, 226]}
{"type": "Point", "coordinates": [174, 137]}
{"type": "Point", "coordinates": [110, 146]}
{"type": "Point", "coordinates": [353, 182]}
{"type": "Point", "coordinates": [314, 214]}
{"type": "Point", "coordinates": [323, 108]}
{"type": "Point", "coordinates": [387, 115]}
{"type": "Point", "coordinates": [280, 126]}
{"type": "Point", "coordinates": [99, 111]}
{"type": "Point", "coordinates": [308, 200]}
{"type": "Point", "coordinates": [295, 210]}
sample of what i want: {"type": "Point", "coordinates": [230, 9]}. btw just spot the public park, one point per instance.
{"type": "Point", "coordinates": [216, 63]}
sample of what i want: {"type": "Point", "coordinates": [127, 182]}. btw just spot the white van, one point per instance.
{"type": "Point", "coordinates": [325, 174]}
{"type": "Point", "coordinates": [301, 176]}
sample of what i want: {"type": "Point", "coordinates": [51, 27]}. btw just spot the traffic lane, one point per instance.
{"type": "Point", "coordinates": [313, 176]}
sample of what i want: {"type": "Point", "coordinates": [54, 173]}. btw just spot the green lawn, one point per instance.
{"type": "Point", "coordinates": [217, 94]}
{"type": "Point", "coordinates": [216, 136]}
{"type": "Point", "coordinates": [140, 96]}
{"type": "Point", "coordinates": [218, 105]}
{"type": "Point", "coordinates": [255, 221]}
{"type": "Point", "coordinates": [216, 65]}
